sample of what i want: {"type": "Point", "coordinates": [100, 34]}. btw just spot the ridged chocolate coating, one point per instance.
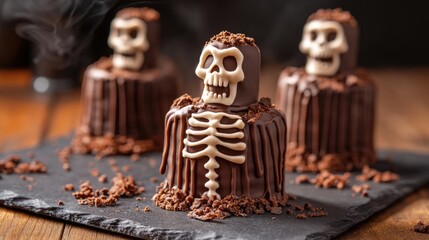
{"type": "Point", "coordinates": [262, 173]}
{"type": "Point", "coordinates": [127, 103]}
{"type": "Point", "coordinates": [330, 120]}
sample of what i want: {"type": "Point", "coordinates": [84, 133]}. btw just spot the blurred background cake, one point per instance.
{"type": "Point", "coordinates": [125, 97]}
{"type": "Point", "coordinates": [329, 104]}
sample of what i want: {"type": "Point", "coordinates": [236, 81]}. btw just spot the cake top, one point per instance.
{"type": "Point", "coordinates": [232, 39]}
{"type": "Point", "coordinates": [146, 14]}
{"type": "Point", "coordinates": [337, 14]}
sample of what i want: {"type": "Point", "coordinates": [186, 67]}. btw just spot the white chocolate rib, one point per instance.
{"type": "Point", "coordinates": [211, 140]}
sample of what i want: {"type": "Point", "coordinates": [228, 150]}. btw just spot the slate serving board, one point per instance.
{"type": "Point", "coordinates": [128, 217]}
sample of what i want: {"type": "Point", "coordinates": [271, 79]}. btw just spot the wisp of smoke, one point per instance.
{"type": "Point", "coordinates": [61, 29]}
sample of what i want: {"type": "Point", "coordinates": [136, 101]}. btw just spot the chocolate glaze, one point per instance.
{"type": "Point", "coordinates": [262, 173]}
{"type": "Point", "coordinates": [331, 120]}
{"type": "Point", "coordinates": [126, 103]}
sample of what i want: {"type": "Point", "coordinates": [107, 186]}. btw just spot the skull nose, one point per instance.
{"type": "Point", "coordinates": [215, 68]}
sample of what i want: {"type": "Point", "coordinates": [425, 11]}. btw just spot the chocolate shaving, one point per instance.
{"type": "Point", "coordinates": [421, 227]}
{"type": "Point", "coordinates": [369, 174]}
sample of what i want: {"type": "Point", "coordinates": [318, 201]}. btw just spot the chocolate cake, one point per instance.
{"type": "Point", "coordinates": [126, 96]}
{"type": "Point", "coordinates": [226, 144]}
{"type": "Point", "coordinates": [329, 104]}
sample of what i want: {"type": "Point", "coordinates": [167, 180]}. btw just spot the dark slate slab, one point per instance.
{"type": "Point", "coordinates": [344, 210]}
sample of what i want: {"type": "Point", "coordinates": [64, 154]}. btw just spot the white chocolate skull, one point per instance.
{"type": "Point", "coordinates": [323, 42]}
{"type": "Point", "coordinates": [129, 41]}
{"type": "Point", "coordinates": [220, 83]}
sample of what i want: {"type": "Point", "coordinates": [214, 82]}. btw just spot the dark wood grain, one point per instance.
{"type": "Point", "coordinates": [27, 118]}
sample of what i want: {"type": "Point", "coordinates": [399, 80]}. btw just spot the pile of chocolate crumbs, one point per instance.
{"type": "Point", "coordinates": [102, 146]}
{"type": "Point", "coordinates": [369, 174]}
{"type": "Point", "coordinates": [121, 187]}
{"type": "Point", "coordinates": [13, 165]}
{"type": "Point", "coordinates": [208, 209]}
{"type": "Point", "coordinates": [325, 180]}
{"type": "Point", "coordinates": [421, 227]}
{"type": "Point", "coordinates": [232, 39]}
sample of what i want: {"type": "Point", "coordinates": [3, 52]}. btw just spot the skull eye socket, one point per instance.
{"type": "Point", "coordinates": [208, 61]}
{"type": "Point", "coordinates": [331, 36]}
{"type": "Point", "coordinates": [133, 33]}
{"type": "Point", "coordinates": [313, 35]}
{"type": "Point", "coordinates": [230, 63]}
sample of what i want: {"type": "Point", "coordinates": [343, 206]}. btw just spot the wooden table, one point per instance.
{"type": "Point", "coordinates": [27, 118]}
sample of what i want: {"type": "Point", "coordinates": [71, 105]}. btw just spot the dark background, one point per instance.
{"type": "Point", "coordinates": [393, 33]}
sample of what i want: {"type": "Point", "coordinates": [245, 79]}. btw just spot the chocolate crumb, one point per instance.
{"type": "Point", "coordinates": [361, 189]}
{"type": "Point", "coordinates": [69, 187]}
{"type": "Point", "coordinates": [302, 179]}
{"type": "Point", "coordinates": [102, 178]}
{"type": "Point", "coordinates": [26, 178]}
{"type": "Point", "coordinates": [139, 198]}
{"type": "Point", "coordinates": [421, 227]}
{"type": "Point", "coordinates": [126, 168]}
{"type": "Point", "coordinates": [64, 156]}
{"type": "Point", "coordinates": [60, 203]}
{"type": "Point", "coordinates": [154, 179]}
{"type": "Point", "coordinates": [135, 157]}
{"type": "Point", "coordinates": [276, 210]}
{"type": "Point", "coordinates": [94, 172]}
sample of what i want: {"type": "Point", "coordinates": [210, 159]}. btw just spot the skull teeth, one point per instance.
{"type": "Point", "coordinates": [215, 95]}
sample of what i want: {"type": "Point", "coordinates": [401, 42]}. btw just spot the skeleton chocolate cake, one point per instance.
{"type": "Point", "coordinates": [125, 97]}
{"type": "Point", "coordinates": [329, 104]}
{"type": "Point", "coordinates": [226, 143]}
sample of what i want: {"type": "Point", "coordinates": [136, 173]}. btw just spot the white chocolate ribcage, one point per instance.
{"type": "Point", "coordinates": [211, 138]}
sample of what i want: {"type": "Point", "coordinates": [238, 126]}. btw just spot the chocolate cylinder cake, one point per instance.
{"type": "Point", "coordinates": [329, 104]}
{"type": "Point", "coordinates": [226, 143]}
{"type": "Point", "coordinates": [126, 96]}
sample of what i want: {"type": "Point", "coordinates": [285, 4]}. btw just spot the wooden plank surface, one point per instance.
{"type": "Point", "coordinates": [27, 118]}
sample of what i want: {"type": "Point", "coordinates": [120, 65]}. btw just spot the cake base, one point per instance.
{"type": "Point", "coordinates": [330, 120]}
{"type": "Point", "coordinates": [123, 111]}
{"type": "Point", "coordinates": [128, 217]}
